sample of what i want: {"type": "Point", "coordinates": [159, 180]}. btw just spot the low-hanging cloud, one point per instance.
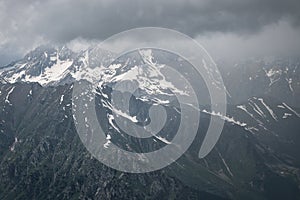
{"type": "Point", "coordinates": [25, 24]}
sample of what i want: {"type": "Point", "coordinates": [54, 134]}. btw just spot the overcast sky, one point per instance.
{"type": "Point", "coordinates": [228, 29]}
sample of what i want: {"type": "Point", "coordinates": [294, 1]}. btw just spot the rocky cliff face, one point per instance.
{"type": "Point", "coordinates": [42, 156]}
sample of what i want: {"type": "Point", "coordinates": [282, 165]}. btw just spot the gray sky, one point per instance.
{"type": "Point", "coordinates": [229, 29]}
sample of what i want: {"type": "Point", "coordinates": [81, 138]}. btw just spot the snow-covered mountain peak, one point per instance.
{"type": "Point", "coordinates": [45, 64]}
{"type": "Point", "coordinates": [48, 65]}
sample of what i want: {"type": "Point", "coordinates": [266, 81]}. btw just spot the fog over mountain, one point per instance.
{"type": "Point", "coordinates": [229, 29]}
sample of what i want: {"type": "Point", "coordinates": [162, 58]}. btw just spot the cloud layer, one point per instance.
{"type": "Point", "coordinates": [25, 24]}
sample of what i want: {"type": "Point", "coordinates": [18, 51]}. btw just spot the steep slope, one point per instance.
{"type": "Point", "coordinates": [42, 156]}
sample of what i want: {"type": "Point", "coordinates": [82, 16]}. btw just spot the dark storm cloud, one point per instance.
{"type": "Point", "coordinates": [100, 19]}
{"type": "Point", "coordinates": [25, 24]}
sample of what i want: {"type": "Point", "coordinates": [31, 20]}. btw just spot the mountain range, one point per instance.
{"type": "Point", "coordinates": [42, 156]}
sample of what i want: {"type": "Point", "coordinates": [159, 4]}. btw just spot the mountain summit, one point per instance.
{"type": "Point", "coordinates": [50, 66]}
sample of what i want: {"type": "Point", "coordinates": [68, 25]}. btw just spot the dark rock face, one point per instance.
{"type": "Point", "coordinates": [43, 158]}
{"type": "Point", "coordinates": [48, 160]}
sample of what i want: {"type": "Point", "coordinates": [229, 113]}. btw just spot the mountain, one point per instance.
{"type": "Point", "coordinates": [42, 156]}
{"type": "Point", "coordinates": [277, 78]}
{"type": "Point", "coordinates": [51, 66]}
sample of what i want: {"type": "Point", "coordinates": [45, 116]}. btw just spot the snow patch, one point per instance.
{"type": "Point", "coordinates": [225, 164]}
{"type": "Point", "coordinates": [226, 118]}
{"type": "Point", "coordinates": [8, 94]}
{"type": "Point", "coordinates": [288, 107]}
{"type": "Point", "coordinates": [51, 74]}
{"type": "Point", "coordinates": [273, 75]}
{"type": "Point", "coordinates": [108, 138]}
{"type": "Point", "coordinates": [269, 109]}
{"type": "Point", "coordinates": [164, 140]}
{"type": "Point", "coordinates": [12, 147]}
{"type": "Point", "coordinates": [61, 99]}
{"type": "Point", "coordinates": [286, 115]}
